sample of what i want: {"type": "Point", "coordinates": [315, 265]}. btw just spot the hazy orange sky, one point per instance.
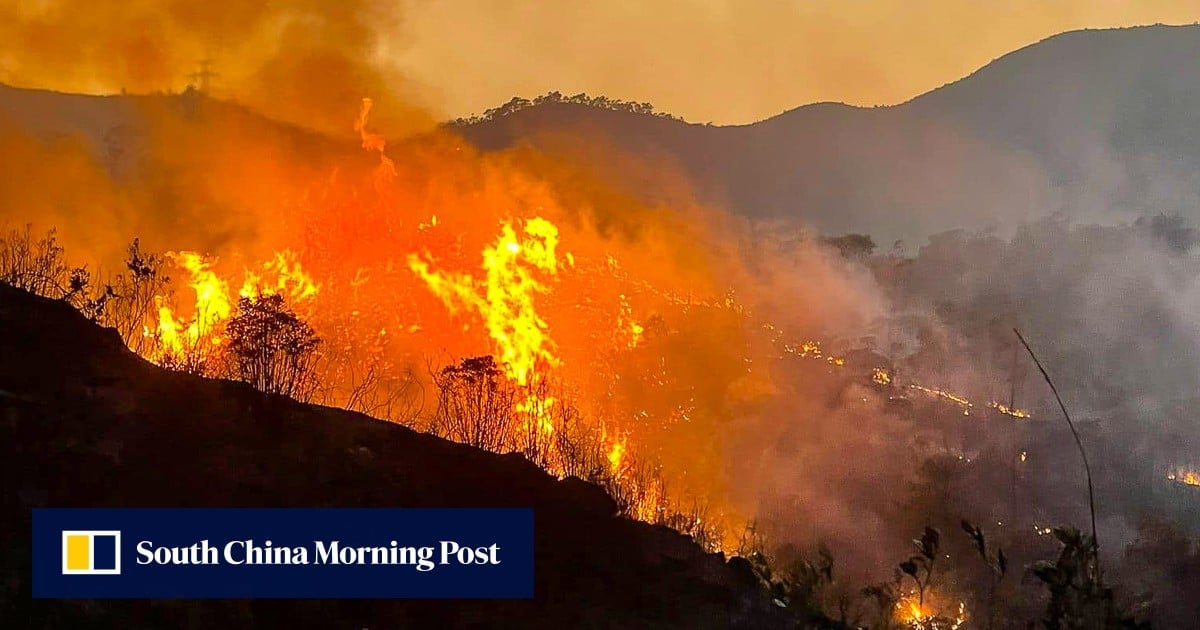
{"type": "Point", "coordinates": [725, 61]}
{"type": "Point", "coordinates": [733, 61]}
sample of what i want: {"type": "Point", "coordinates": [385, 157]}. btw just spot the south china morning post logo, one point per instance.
{"type": "Point", "coordinates": [91, 552]}
{"type": "Point", "coordinates": [282, 553]}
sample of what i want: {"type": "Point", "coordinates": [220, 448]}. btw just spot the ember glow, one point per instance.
{"type": "Point", "coordinates": [912, 614]}
{"type": "Point", "coordinates": [1185, 476]}
{"type": "Point", "coordinates": [945, 395]}
{"type": "Point", "coordinates": [881, 376]}
{"type": "Point", "coordinates": [812, 350]}
{"type": "Point", "coordinates": [1009, 411]}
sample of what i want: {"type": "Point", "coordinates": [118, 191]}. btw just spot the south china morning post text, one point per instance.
{"type": "Point", "coordinates": [239, 552]}
{"type": "Point", "coordinates": [283, 553]}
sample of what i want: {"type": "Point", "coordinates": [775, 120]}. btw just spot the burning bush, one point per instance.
{"type": "Point", "coordinates": [130, 296]}
{"type": "Point", "coordinates": [37, 265]}
{"type": "Point", "coordinates": [478, 404]}
{"type": "Point", "coordinates": [475, 404]}
{"type": "Point", "coordinates": [271, 348]}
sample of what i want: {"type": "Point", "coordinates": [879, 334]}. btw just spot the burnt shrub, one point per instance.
{"type": "Point", "coordinates": [271, 348]}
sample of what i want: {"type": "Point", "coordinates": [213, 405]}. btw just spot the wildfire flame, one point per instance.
{"type": "Point", "coordinates": [192, 341]}
{"type": "Point", "coordinates": [912, 614]}
{"type": "Point", "coordinates": [910, 611]}
{"type": "Point", "coordinates": [616, 454]}
{"type": "Point", "coordinates": [1184, 475]}
{"type": "Point", "coordinates": [505, 295]}
{"type": "Point", "coordinates": [369, 273]}
{"type": "Point", "coordinates": [513, 267]}
{"type": "Point", "coordinates": [177, 338]}
{"type": "Point", "coordinates": [537, 410]}
{"type": "Point", "coordinates": [880, 376]}
{"type": "Point", "coordinates": [375, 142]}
{"type": "Point", "coordinates": [1009, 411]}
{"type": "Point", "coordinates": [291, 280]}
{"type": "Point", "coordinates": [945, 395]}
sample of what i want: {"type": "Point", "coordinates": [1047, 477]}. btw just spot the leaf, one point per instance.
{"type": "Point", "coordinates": [1049, 573]}
{"type": "Point", "coordinates": [929, 542]}
{"type": "Point", "coordinates": [976, 535]}
{"type": "Point", "coordinates": [1068, 536]}
{"type": "Point", "coordinates": [826, 562]}
{"type": "Point", "coordinates": [909, 567]}
{"type": "Point", "coordinates": [1002, 562]}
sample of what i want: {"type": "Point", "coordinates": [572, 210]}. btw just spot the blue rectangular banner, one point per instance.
{"type": "Point", "coordinates": [282, 553]}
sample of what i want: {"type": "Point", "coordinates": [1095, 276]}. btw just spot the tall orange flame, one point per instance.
{"type": "Point", "coordinates": [513, 267]}
{"type": "Point", "coordinates": [191, 341]}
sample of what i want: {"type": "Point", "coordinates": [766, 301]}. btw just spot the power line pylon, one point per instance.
{"type": "Point", "coordinates": [203, 76]}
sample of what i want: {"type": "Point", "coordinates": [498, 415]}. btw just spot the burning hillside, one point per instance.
{"type": "Point", "coordinates": [618, 349]}
{"type": "Point", "coordinates": [521, 306]}
{"type": "Point", "coordinates": [414, 292]}
{"type": "Point", "coordinates": [496, 300]}
{"type": "Point", "coordinates": [709, 378]}
{"type": "Point", "coordinates": [560, 291]}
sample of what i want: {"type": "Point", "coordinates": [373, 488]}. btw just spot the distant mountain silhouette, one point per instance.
{"type": "Point", "coordinates": [1100, 125]}
{"type": "Point", "coordinates": [103, 120]}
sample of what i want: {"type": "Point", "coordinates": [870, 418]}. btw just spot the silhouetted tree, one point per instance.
{"type": "Point", "coordinates": [130, 296]}
{"type": "Point", "coordinates": [37, 265]}
{"type": "Point", "coordinates": [271, 348]}
{"type": "Point", "coordinates": [1175, 232]}
{"type": "Point", "coordinates": [475, 404]}
{"type": "Point", "coordinates": [34, 264]}
{"type": "Point", "coordinates": [852, 245]}
{"type": "Point", "coordinates": [517, 104]}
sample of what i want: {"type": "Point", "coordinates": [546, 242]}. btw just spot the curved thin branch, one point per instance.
{"type": "Point", "coordinates": [1078, 442]}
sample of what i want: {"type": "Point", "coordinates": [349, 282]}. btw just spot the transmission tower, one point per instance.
{"type": "Point", "coordinates": [203, 76]}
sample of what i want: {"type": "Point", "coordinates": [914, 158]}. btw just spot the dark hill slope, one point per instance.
{"type": "Point", "coordinates": [83, 422]}
{"type": "Point", "coordinates": [113, 123]}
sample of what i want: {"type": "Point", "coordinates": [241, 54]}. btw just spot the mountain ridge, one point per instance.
{"type": "Point", "coordinates": [1076, 123]}
{"type": "Point", "coordinates": [1097, 125]}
